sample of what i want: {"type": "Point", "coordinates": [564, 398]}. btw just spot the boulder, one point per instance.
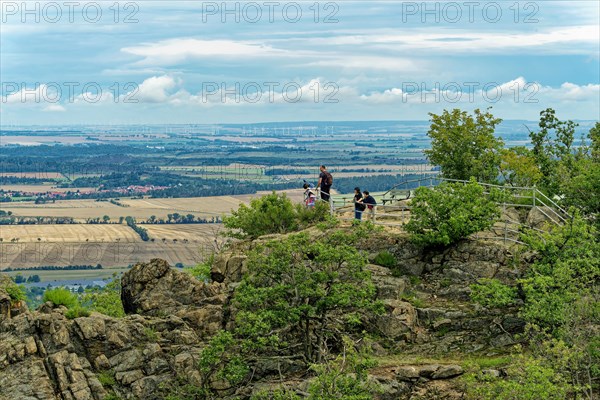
{"type": "Point", "coordinates": [156, 289]}
{"type": "Point", "coordinates": [399, 320]}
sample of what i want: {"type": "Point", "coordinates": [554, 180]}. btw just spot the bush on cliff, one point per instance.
{"type": "Point", "coordinates": [273, 213]}
{"type": "Point", "coordinates": [450, 212]}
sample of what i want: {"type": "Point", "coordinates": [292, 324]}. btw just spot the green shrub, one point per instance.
{"type": "Point", "coordinates": [528, 378]}
{"type": "Point", "coordinates": [61, 297]}
{"type": "Point", "coordinates": [567, 268]}
{"type": "Point", "coordinates": [450, 212]}
{"type": "Point", "coordinates": [308, 216]}
{"type": "Point", "coordinates": [15, 292]}
{"type": "Point", "coordinates": [385, 259]}
{"type": "Point", "coordinates": [202, 270]}
{"type": "Point", "coordinates": [106, 300]}
{"type": "Point", "coordinates": [493, 293]}
{"type": "Point", "coordinates": [345, 377]}
{"type": "Point", "coordinates": [277, 394]}
{"type": "Point", "coordinates": [273, 213]}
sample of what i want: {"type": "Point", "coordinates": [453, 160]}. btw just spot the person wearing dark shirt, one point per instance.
{"type": "Point", "coordinates": [359, 207]}
{"type": "Point", "coordinates": [370, 203]}
{"type": "Point", "coordinates": [325, 182]}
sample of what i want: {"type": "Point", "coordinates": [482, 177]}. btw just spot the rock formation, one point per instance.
{"type": "Point", "coordinates": [170, 315]}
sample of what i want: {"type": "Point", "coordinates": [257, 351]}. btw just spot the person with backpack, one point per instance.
{"type": "Point", "coordinates": [325, 183]}
{"type": "Point", "coordinates": [370, 202]}
{"type": "Point", "coordinates": [309, 196]}
{"type": "Point", "coordinates": [359, 207]}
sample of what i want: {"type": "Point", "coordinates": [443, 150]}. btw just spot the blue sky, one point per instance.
{"type": "Point", "coordinates": [193, 62]}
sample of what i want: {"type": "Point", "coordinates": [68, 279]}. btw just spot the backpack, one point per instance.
{"type": "Point", "coordinates": [329, 179]}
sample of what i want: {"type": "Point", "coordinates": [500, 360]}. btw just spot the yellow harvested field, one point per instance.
{"type": "Point", "coordinates": [67, 233]}
{"type": "Point", "coordinates": [141, 209]}
{"type": "Point", "coordinates": [109, 255]}
{"type": "Point", "coordinates": [196, 233]}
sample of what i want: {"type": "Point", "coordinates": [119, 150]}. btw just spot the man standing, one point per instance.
{"type": "Point", "coordinates": [325, 182]}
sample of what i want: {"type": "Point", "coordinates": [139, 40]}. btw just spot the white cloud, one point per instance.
{"type": "Point", "coordinates": [54, 108]}
{"type": "Point", "coordinates": [173, 51]}
{"type": "Point", "coordinates": [515, 91]}
{"type": "Point", "coordinates": [154, 89]}
{"type": "Point", "coordinates": [94, 98]}
{"type": "Point", "coordinates": [25, 95]}
{"type": "Point", "coordinates": [565, 40]}
{"type": "Point", "coordinates": [570, 92]}
{"type": "Point", "coordinates": [387, 96]}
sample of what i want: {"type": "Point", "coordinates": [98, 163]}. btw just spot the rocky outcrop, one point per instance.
{"type": "Point", "coordinates": [171, 315]}
{"type": "Point", "coordinates": [44, 355]}
{"type": "Point", "coordinates": [155, 289]}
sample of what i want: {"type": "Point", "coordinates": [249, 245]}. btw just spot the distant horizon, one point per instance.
{"type": "Point", "coordinates": [259, 123]}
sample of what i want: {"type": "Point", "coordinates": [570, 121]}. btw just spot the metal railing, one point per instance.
{"type": "Point", "coordinates": [399, 214]}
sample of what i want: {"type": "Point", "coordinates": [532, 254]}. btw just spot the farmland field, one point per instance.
{"type": "Point", "coordinates": [196, 233]}
{"type": "Point", "coordinates": [80, 210]}
{"type": "Point", "coordinates": [68, 233]}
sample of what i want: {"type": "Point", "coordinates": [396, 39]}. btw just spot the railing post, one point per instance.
{"type": "Point", "coordinates": [505, 216]}
{"type": "Point", "coordinates": [534, 190]}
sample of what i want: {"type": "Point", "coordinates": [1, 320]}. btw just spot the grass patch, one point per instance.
{"type": "Point", "coordinates": [150, 334]}
{"type": "Point", "coordinates": [412, 298]}
{"type": "Point", "coordinates": [487, 362]}
{"type": "Point", "coordinates": [76, 312]}
{"type": "Point", "coordinates": [385, 259]}
{"type": "Point", "coordinates": [107, 378]}
{"type": "Point", "coordinates": [414, 280]}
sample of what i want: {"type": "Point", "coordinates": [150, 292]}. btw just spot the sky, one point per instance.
{"type": "Point", "coordinates": [148, 62]}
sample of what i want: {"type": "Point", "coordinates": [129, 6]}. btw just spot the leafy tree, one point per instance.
{"type": "Point", "coordinates": [582, 190]}
{"type": "Point", "coordinates": [202, 270]}
{"type": "Point", "coordinates": [518, 167]}
{"type": "Point", "coordinates": [553, 150]}
{"type": "Point", "coordinates": [450, 212]}
{"type": "Point", "coordinates": [464, 145]}
{"type": "Point", "coordinates": [294, 287]}
{"type": "Point", "coordinates": [594, 136]}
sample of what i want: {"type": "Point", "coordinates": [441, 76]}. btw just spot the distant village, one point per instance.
{"type": "Point", "coordinates": [9, 195]}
